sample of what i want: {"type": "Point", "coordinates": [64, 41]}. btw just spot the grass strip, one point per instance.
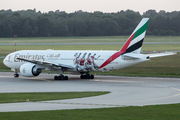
{"type": "Point", "coordinates": [38, 96]}
{"type": "Point", "coordinates": [154, 112]}
{"type": "Point", "coordinates": [5, 50]}
{"type": "Point", "coordinates": [92, 39]}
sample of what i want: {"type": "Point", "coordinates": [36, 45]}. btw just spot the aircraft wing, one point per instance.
{"type": "Point", "coordinates": [46, 63]}
{"type": "Point", "coordinates": [161, 54]}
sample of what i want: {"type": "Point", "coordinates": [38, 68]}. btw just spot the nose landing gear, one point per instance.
{"type": "Point", "coordinates": [16, 73]}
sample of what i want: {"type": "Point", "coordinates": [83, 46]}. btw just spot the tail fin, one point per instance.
{"type": "Point", "coordinates": [133, 44]}
{"type": "Point", "coordinates": [135, 41]}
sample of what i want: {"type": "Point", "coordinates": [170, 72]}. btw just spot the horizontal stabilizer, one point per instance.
{"type": "Point", "coordinates": [135, 56]}
{"type": "Point", "coordinates": [161, 54]}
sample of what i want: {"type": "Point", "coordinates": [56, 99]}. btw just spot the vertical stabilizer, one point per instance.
{"type": "Point", "coordinates": [133, 44]}
{"type": "Point", "coordinates": [135, 41]}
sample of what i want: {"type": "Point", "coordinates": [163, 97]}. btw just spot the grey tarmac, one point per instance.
{"type": "Point", "coordinates": [125, 91]}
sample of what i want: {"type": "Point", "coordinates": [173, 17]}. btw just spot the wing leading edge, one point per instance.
{"type": "Point", "coordinates": [47, 64]}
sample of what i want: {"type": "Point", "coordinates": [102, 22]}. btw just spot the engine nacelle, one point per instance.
{"type": "Point", "coordinates": [29, 70]}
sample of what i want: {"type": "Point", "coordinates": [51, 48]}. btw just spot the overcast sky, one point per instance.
{"type": "Point", "coordinates": [91, 5]}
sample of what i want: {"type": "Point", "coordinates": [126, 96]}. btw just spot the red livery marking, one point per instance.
{"type": "Point", "coordinates": [124, 48]}
{"type": "Point", "coordinates": [117, 54]}
{"type": "Point", "coordinates": [113, 57]}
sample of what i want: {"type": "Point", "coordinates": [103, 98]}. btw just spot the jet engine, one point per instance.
{"type": "Point", "coordinates": [29, 70]}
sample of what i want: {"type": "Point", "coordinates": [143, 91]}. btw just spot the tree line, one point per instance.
{"type": "Point", "coordinates": [30, 23]}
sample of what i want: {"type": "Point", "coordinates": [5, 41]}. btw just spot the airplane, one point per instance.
{"type": "Point", "coordinates": [30, 63]}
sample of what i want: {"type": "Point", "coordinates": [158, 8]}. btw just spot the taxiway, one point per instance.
{"type": "Point", "coordinates": [125, 91]}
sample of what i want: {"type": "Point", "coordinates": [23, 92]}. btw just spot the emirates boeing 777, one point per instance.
{"type": "Point", "coordinates": [30, 63]}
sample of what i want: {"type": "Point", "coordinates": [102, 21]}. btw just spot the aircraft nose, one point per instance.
{"type": "Point", "coordinates": [5, 61]}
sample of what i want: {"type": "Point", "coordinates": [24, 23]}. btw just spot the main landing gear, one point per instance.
{"type": "Point", "coordinates": [16, 73]}
{"type": "Point", "coordinates": [87, 76]}
{"type": "Point", "coordinates": [61, 77]}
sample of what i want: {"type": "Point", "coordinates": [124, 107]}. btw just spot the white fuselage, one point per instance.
{"type": "Point", "coordinates": [71, 58]}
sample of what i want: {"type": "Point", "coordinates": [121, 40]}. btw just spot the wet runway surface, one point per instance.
{"type": "Point", "coordinates": [125, 91]}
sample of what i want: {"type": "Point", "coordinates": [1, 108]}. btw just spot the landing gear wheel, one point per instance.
{"type": "Point", "coordinates": [82, 76]}
{"type": "Point", "coordinates": [62, 77]}
{"type": "Point", "coordinates": [66, 78]}
{"type": "Point", "coordinates": [55, 77]}
{"type": "Point", "coordinates": [16, 75]}
{"type": "Point", "coordinates": [59, 78]}
{"type": "Point", "coordinates": [92, 76]}
{"type": "Point", "coordinates": [85, 76]}
{"type": "Point", "coordinates": [88, 76]}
